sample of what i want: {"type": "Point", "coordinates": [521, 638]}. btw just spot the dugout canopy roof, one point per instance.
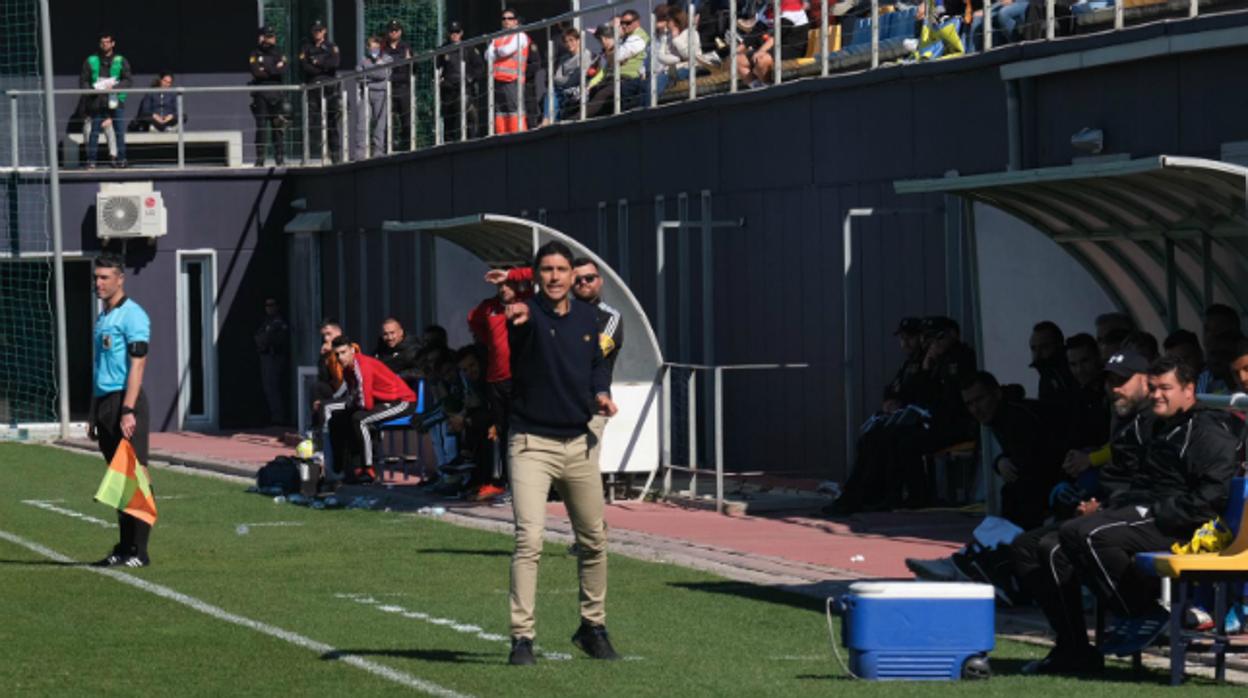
{"type": "Point", "coordinates": [1165, 236]}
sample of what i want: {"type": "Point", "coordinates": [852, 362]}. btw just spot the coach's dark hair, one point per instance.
{"type": "Point", "coordinates": [983, 378]}
{"type": "Point", "coordinates": [108, 260]}
{"type": "Point", "coordinates": [1083, 340]}
{"type": "Point", "coordinates": [552, 247]}
{"type": "Point", "coordinates": [341, 340]}
{"type": "Point", "coordinates": [1183, 371]}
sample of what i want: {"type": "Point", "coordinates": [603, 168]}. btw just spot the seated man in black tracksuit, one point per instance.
{"type": "Point", "coordinates": [1032, 447]}
{"type": "Point", "coordinates": [399, 351]}
{"type": "Point", "coordinates": [1181, 481]}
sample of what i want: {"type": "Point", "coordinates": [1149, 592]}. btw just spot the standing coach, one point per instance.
{"type": "Point", "coordinates": [118, 405]}
{"type": "Point", "coordinates": [559, 380]}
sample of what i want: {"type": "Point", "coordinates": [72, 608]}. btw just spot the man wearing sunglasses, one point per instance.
{"type": "Point", "coordinates": [510, 55]}
{"type": "Point", "coordinates": [587, 286]}
{"type": "Point", "coordinates": [630, 56]}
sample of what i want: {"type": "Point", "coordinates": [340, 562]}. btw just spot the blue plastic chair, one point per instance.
{"type": "Point", "coordinates": [403, 425]}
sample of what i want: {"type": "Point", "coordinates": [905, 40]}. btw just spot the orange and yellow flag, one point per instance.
{"type": "Point", "coordinates": [126, 485]}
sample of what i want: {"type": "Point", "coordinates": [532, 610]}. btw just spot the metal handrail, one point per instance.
{"type": "Point", "coordinates": [665, 437]}
{"type": "Point", "coordinates": [1234, 401]}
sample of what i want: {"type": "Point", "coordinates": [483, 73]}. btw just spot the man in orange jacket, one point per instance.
{"type": "Point", "coordinates": [370, 394]}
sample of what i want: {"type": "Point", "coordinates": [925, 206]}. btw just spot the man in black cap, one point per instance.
{"type": "Point", "coordinates": [271, 110]}
{"type": "Point", "coordinates": [400, 83]}
{"type": "Point", "coordinates": [473, 69]}
{"type": "Point", "coordinates": [318, 58]}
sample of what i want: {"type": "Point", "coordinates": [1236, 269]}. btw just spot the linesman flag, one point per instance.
{"type": "Point", "coordinates": [127, 487]}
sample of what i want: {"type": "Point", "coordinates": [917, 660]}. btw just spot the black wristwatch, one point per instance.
{"type": "Point", "coordinates": [126, 410]}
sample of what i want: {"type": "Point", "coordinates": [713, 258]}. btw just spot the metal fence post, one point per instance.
{"type": "Point", "coordinates": [520, 80]}
{"type": "Point", "coordinates": [692, 428]}
{"type": "Point", "coordinates": [690, 31]}
{"type": "Point", "coordinates": [875, 34]}
{"type": "Point", "coordinates": [489, 75]}
{"type": "Point", "coordinates": [733, 44]}
{"type": "Point", "coordinates": [463, 99]}
{"type": "Point", "coordinates": [580, 60]}
{"type": "Point", "coordinates": [549, 110]}
{"type": "Point", "coordinates": [438, 134]}
{"type": "Point", "coordinates": [181, 132]}
{"type": "Point", "coordinates": [389, 120]}
{"type": "Point", "coordinates": [1050, 19]}
{"type": "Point", "coordinates": [367, 121]}
{"type": "Point", "coordinates": [615, 65]}
{"type": "Point", "coordinates": [665, 434]}
{"type": "Point", "coordinates": [987, 24]}
{"type": "Point", "coordinates": [1193, 8]}
{"type": "Point", "coordinates": [343, 123]}
{"type": "Point", "coordinates": [1118, 15]}
{"type": "Point", "coordinates": [776, 34]}
{"type": "Point", "coordinates": [719, 440]}
{"type": "Point", "coordinates": [652, 84]}
{"type": "Point", "coordinates": [15, 142]}
{"type": "Point", "coordinates": [320, 91]}
{"type": "Point", "coordinates": [303, 112]}
{"type": "Point", "coordinates": [823, 38]}
{"type": "Point", "coordinates": [411, 106]}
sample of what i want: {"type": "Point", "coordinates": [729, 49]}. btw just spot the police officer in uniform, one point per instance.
{"type": "Point", "coordinates": [400, 83]}
{"type": "Point", "coordinates": [271, 109]}
{"type": "Point", "coordinates": [473, 72]}
{"type": "Point", "coordinates": [118, 406]}
{"type": "Point", "coordinates": [319, 59]}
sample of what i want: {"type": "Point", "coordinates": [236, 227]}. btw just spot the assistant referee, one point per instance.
{"type": "Point", "coordinates": [118, 405]}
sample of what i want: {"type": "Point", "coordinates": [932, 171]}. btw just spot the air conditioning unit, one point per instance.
{"type": "Point", "coordinates": [129, 210]}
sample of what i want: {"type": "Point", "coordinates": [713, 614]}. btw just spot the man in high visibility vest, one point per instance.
{"type": "Point", "coordinates": [510, 54]}
{"type": "Point", "coordinates": [105, 70]}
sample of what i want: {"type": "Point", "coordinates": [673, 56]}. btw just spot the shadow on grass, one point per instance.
{"type": "Point", "coordinates": [423, 655]}
{"type": "Point", "coordinates": [464, 551]}
{"type": "Point", "coordinates": [1113, 673]}
{"type": "Point", "coordinates": [754, 592]}
{"type": "Point", "coordinates": [44, 563]}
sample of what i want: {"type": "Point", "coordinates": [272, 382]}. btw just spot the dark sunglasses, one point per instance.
{"type": "Point", "coordinates": [507, 18]}
{"type": "Point", "coordinates": [587, 278]}
{"type": "Point", "coordinates": [627, 22]}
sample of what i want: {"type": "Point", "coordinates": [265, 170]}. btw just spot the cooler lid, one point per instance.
{"type": "Point", "coordinates": [921, 590]}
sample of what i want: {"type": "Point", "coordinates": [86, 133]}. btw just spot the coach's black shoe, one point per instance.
{"type": "Point", "coordinates": [521, 652]}
{"type": "Point", "coordinates": [593, 640]}
{"type": "Point", "coordinates": [112, 560]}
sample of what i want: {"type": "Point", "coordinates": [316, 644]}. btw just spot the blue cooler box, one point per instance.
{"type": "Point", "coordinates": [917, 630]}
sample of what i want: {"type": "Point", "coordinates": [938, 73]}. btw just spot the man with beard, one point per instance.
{"type": "Point", "coordinates": [398, 351]}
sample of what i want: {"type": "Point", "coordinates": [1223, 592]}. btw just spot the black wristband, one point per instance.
{"type": "Point", "coordinates": [126, 410]}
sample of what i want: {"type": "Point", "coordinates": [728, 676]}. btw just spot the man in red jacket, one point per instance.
{"type": "Point", "coordinates": [488, 323]}
{"type": "Point", "coordinates": [370, 394]}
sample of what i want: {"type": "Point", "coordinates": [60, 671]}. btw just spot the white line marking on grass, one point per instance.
{"type": "Point", "coordinates": [326, 651]}
{"type": "Point", "coordinates": [465, 628]}
{"type": "Point", "coordinates": [273, 523]}
{"type": "Point", "coordinates": [47, 505]}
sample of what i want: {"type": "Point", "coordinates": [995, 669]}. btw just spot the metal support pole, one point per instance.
{"type": "Point", "coordinates": [463, 99]}
{"type": "Point", "coordinates": [849, 370]}
{"type": "Point", "coordinates": [550, 77]}
{"type": "Point", "coordinates": [875, 34]}
{"type": "Point", "coordinates": [303, 112]}
{"type": "Point", "coordinates": [690, 32]}
{"type": "Point", "coordinates": [343, 123]}
{"type": "Point", "coordinates": [576, 7]}
{"type": "Point", "coordinates": [733, 43]}
{"type": "Point", "coordinates": [665, 446]}
{"type": "Point", "coordinates": [987, 24]}
{"type": "Point", "coordinates": [691, 428]}
{"type": "Point", "coordinates": [54, 203]}
{"type": "Point", "coordinates": [1193, 8]}
{"type": "Point", "coordinates": [389, 121]}
{"type": "Point", "coordinates": [320, 91]}
{"type": "Point", "coordinates": [411, 107]}
{"type": "Point", "coordinates": [1118, 16]}
{"type": "Point", "coordinates": [437, 105]}
{"type": "Point", "coordinates": [615, 66]}
{"type": "Point", "coordinates": [521, 121]}
{"type": "Point", "coordinates": [824, 30]}
{"type": "Point", "coordinates": [489, 84]}
{"type": "Point", "coordinates": [367, 105]}
{"type": "Point", "coordinates": [652, 81]}
{"type": "Point", "coordinates": [1050, 19]}
{"type": "Point", "coordinates": [719, 440]}
{"type": "Point", "coordinates": [660, 287]}
{"type": "Point", "coordinates": [14, 141]}
{"type": "Point", "coordinates": [181, 132]}
{"type": "Point", "coordinates": [776, 29]}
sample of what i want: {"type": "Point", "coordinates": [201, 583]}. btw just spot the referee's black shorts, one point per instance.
{"type": "Point", "coordinates": [107, 422]}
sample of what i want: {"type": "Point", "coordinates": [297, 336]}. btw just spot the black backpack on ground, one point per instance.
{"type": "Point", "coordinates": [281, 473]}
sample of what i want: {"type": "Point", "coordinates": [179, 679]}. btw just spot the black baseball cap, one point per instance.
{"type": "Point", "coordinates": [909, 325]}
{"type": "Point", "coordinates": [318, 25]}
{"type": "Point", "coordinates": [938, 324]}
{"type": "Point", "coordinates": [454, 28]}
{"type": "Point", "coordinates": [266, 30]}
{"type": "Point", "coordinates": [394, 24]}
{"type": "Point", "coordinates": [1126, 363]}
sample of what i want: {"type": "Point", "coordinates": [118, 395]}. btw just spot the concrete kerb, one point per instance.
{"type": "Point", "coordinates": [814, 581]}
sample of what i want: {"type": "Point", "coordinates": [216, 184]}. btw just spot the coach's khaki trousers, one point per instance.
{"type": "Point", "coordinates": [536, 463]}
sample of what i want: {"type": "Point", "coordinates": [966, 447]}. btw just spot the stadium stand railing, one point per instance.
{"type": "Point", "coordinates": [842, 36]}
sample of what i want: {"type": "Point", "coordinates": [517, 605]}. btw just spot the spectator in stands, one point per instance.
{"type": "Point", "coordinates": [1111, 327]}
{"type": "Point", "coordinates": [1142, 343]}
{"type": "Point", "coordinates": [272, 340]}
{"type": "Point", "coordinates": [1037, 554]}
{"type": "Point", "coordinates": [1182, 483]}
{"type": "Point", "coordinates": [378, 109]}
{"type": "Point", "coordinates": [1239, 365]}
{"type": "Point", "coordinates": [370, 394]}
{"type": "Point", "coordinates": [534, 85]}
{"type": "Point", "coordinates": [1219, 319]}
{"type": "Point", "coordinates": [269, 108]}
{"type": "Point", "coordinates": [567, 79]}
{"type": "Point", "coordinates": [793, 24]}
{"type": "Point", "coordinates": [401, 83]}
{"type": "Point", "coordinates": [671, 45]}
{"type": "Point", "coordinates": [1032, 447]}
{"type": "Point", "coordinates": [754, 59]}
{"type": "Point", "coordinates": [105, 70]}
{"type": "Point", "coordinates": [398, 351]}
{"type": "Point", "coordinates": [1088, 411]}
{"type": "Point", "coordinates": [158, 110]}
{"type": "Point", "coordinates": [629, 55]}
{"type": "Point", "coordinates": [318, 62]}
{"type": "Point", "coordinates": [510, 56]}
{"type": "Point", "coordinates": [1048, 357]}
{"type": "Point", "coordinates": [460, 71]}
